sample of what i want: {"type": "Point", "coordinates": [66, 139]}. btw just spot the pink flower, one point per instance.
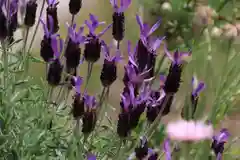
{"type": "Point", "coordinates": [189, 130]}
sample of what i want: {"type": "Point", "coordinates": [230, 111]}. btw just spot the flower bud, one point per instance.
{"type": "Point", "coordinates": [230, 31]}
{"type": "Point", "coordinates": [216, 32]}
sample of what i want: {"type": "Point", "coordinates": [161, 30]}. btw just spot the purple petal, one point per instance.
{"type": "Point", "coordinates": [124, 5]}
{"type": "Point", "coordinates": [91, 29]}
{"type": "Point", "coordinates": [101, 33]}
{"type": "Point", "coordinates": [223, 136]}
{"type": "Point", "coordinates": [91, 157]}
{"type": "Point", "coordinates": [54, 45]}
{"type": "Point", "coordinates": [113, 3]}
{"type": "Point", "coordinates": [129, 47]}
{"type": "Point", "coordinates": [132, 94]}
{"type": "Point", "coordinates": [199, 88]}
{"type": "Point", "coordinates": [176, 56]}
{"type": "Point", "coordinates": [154, 27]}
{"type": "Point", "coordinates": [125, 101]}
{"type": "Point", "coordinates": [45, 29]}
{"type": "Point", "coordinates": [140, 22]}
{"type": "Point", "coordinates": [80, 31]}
{"type": "Point", "coordinates": [78, 83]}
{"type": "Point", "coordinates": [106, 50]}
{"type": "Point", "coordinates": [118, 57]}
{"type": "Point", "coordinates": [168, 53]}
{"type": "Point", "coordinates": [94, 20]}
{"type": "Point", "coordinates": [167, 149]}
{"type": "Point", "coordinates": [157, 43]}
{"type": "Point", "coordinates": [50, 19]}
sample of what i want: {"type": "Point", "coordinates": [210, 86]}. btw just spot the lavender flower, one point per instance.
{"type": "Point", "coordinates": [78, 103]}
{"type": "Point", "coordinates": [30, 14]}
{"type": "Point", "coordinates": [119, 18]}
{"type": "Point", "coordinates": [52, 12]}
{"type": "Point", "coordinates": [142, 151]}
{"type": "Point", "coordinates": [89, 116]}
{"type": "Point", "coordinates": [73, 51]}
{"type": "Point", "coordinates": [93, 46]}
{"type": "Point", "coordinates": [219, 141]}
{"type": "Point", "coordinates": [75, 6]}
{"type": "Point", "coordinates": [46, 50]}
{"type": "Point", "coordinates": [55, 67]}
{"type": "Point", "coordinates": [109, 70]}
{"type": "Point", "coordinates": [145, 55]}
{"type": "Point", "coordinates": [167, 149]}
{"type": "Point", "coordinates": [173, 79]}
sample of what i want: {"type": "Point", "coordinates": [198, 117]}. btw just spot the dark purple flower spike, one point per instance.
{"type": "Point", "coordinates": [30, 15]}
{"type": "Point", "coordinates": [52, 11]}
{"type": "Point", "coordinates": [219, 141]}
{"type": "Point", "coordinates": [13, 24]}
{"type": "Point", "coordinates": [124, 4]}
{"type": "Point", "coordinates": [119, 19]}
{"type": "Point", "coordinates": [78, 103]}
{"type": "Point", "coordinates": [75, 6]}
{"type": "Point", "coordinates": [167, 149]}
{"type": "Point", "coordinates": [73, 51]}
{"type": "Point", "coordinates": [89, 116]}
{"type": "Point", "coordinates": [93, 24]}
{"type": "Point", "coordinates": [3, 23]}
{"type": "Point", "coordinates": [109, 70]}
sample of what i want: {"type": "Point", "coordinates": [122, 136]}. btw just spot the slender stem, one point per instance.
{"type": "Point", "coordinates": [90, 67]}
{"type": "Point", "coordinates": [5, 61]}
{"type": "Point", "coordinates": [118, 44]}
{"type": "Point", "coordinates": [36, 28]}
{"type": "Point", "coordinates": [25, 55]}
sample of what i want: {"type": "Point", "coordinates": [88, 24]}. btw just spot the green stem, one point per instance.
{"type": "Point", "coordinates": [90, 67]}
{"type": "Point", "coordinates": [5, 63]}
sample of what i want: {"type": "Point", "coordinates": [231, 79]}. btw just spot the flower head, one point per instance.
{"type": "Point", "coordinates": [124, 4]}
{"type": "Point", "coordinates": [78, 81]}
{"type": "Point", "coordinates": [47, 32]}
{"type": "Point", "coordinates": [76, 37]}
{"type": "Point", "coordinates": [197, 87]}
{"type": "Point", "coordinates": [90, 102]}
{"type": "Point", "coordinates": [107, 56]}
{"type": "Point", "coordinates": [178, 57]}
{"type": "Point", "coordinates": [93, 24]}
{"type": "Point", "coordinates": [189, 130]}
{"type": "Point", "coordinates": [222, 137]}
{"type": "Point", "coordinates": [91, 157]}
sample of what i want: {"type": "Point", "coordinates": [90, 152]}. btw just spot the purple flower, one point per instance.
{"type": "Point", "coordinates": [125, 99]}
{"type": "Point", "coordinates": [155, 101]}
{"type": "Point", "coordinates": [107, 56]}
{"type": "Point", "coordinates": [93, 24]}
{"type": "Point", "coordinates": [145, 30]}
{"type": "Point", "coordinates": [167, 149]}
{"type": "Point", "coordinates": [47, 32]}
{"type": "Point", "coordinates": [90, 102]}
{"type": "Point", "coordinates": [132, 54]}
{"type": "Point", "coordinates": [177, 57]}
{"type": "Point", "coordinates": [134, 76]}
{"type": "Point", "coordinates": [57, 45]}
{"type": "Point", "coordinates": [91, 156]}
{"type": "Point", "coordinates": [197, 87]}
{"type": "Point", "coordinates": [76, 37]}
{"type": "Point", "coordinates": [218, 142]}
{"type": "Point", "coordinates": [78, 81]}
{"type": "Point", "coordinates": [223, 136]}
{"type": "Point", "coordinates": [52, 2]}
{"type": "Point", "coordinates": [124, 4]}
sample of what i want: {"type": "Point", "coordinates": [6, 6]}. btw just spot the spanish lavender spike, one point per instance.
{"type": "Point", "coordinates": [109, 70]}
{"type": "Point", "coordinates": [75, 6]}
{"type": "Point", "coordinates": [119, 19]}
{"type": "Point", "coordinates": [52, 12]}
{"type": "Point", "coordinates": [46, 50]}
{"type": "Point", "coordinates": [73, 51]}
{"type": "Point", "coordinates": [123, 125]}
{"type": "Point", "coordinates": [219, 141]}
{"type": "Point", "coordinates": [3, 23]}
{"type": "Point", "coordinates": [142, 150]}
{"type": "Point", "coordinates": [55, 67]}
{"type": "Point", "coordinates": [78, 103]}
{"type": "Point", "coordinates": [90, 115]}
{"type": "Point", "coordinates": [30, 14]}
{"type": "Point", "coordinates": [13, 20]}
{"type": "Point", "coordinates": [173, 79]}
{"type": "Point", "coordinates": [145, 57]}
{"type": "Point", "coordinates": [93, 46]}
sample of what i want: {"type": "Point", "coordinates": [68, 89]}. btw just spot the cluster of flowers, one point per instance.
{"type": "Point", "coordinates": [138, 95]}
